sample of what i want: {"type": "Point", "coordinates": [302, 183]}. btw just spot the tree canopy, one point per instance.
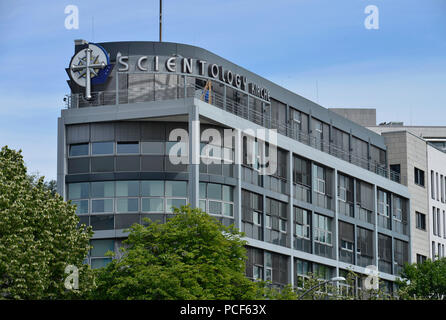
{"type": "Point", "coordinates": [425, 280]}
{"type": "Point", "coordinates": [39, 237]}
{"type": "Point", "coordinates": [191, 256]}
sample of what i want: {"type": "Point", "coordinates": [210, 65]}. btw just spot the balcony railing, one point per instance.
{"type": "Point", "coordinates": [166, 92]}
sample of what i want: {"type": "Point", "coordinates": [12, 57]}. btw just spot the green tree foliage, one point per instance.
{"type": "Point", "coordinates": [426, 280]}
{"type": "Point", "coordinates": [191, 256]}
{"type": "Point", "coordinates": [39, 237]}
{"type": "Point", "coordinates": [51, 185]}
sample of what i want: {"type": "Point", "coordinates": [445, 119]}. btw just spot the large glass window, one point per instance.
{"type": "Point", "coordinates": [153, 188]}
{"type": "Point", "coordinates": [322, 229]}
{"type": "Point", "coordinates": [78, 190]}
{"type": "Point", "coordinates": [152, 204]}
{"type": "Point", "coordinates": [127, 147]}
{"type": "Point", "coordinates": [81, 206]}
{"type": "Point", "coordinates": [152, 147]}
{"type": "Point", "coordinates": [80, 149]}
{"type": "Point", "coordinates": [127, 188]}
{"type": "Point", "coordinates": [102, 189]}
{"type": "Point", "coordinates": [102, 148]}
{"type": "Point", "coordinates": [176, 188]}
{"type": "Point", "coordinates": [101, 205]}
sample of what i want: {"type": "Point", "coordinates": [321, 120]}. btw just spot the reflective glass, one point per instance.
{"type": "Point", "coordinates": [79, 150]}
{"type": "Point", "coordinates": [102, 148]}
{"type": "Point", "coordinates": [152, 188]}
{"type": "Point", "coordinates": [153, 204]}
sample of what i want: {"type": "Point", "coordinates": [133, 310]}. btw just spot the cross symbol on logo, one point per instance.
{"type": "Point", "coordinates": [88, 67]}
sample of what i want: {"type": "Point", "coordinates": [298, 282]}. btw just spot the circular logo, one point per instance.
{"type": "Point", "coordinates": [87, 64]}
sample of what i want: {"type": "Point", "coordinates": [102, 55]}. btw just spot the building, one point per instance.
{"type": "Point", "coordinates": [330, 205]}
{"type": "Point", "coordinates": [418, 154]}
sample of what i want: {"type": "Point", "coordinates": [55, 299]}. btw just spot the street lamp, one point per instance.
{"type": "Point", "coordinates": [335, 279]}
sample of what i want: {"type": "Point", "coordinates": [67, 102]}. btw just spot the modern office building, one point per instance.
{"type": "Point", "coordinates": [330, 205]}
{"type": "Point", "coordinates": [418, 155]}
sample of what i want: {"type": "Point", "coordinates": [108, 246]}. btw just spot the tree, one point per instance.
{"type": "Point", "coordinates": [425, 280]}
{"type": "Point", "coordinates": [39, 237]}
{"type": "Point", "coordinates": [191, 256]}
{"type": "Point", "coordinates": [48, 185]}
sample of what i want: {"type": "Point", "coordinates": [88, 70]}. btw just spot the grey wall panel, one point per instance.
{"type": "Point", "coordinates": [123, 221]}
{"type": "Point", "coordinates": [153, 131]}
{"type": "Point", "coordinates": [169, 166]}
{"type": "Point", "coordinates": [102, 132]}
{"type": "Point", "coordinates": [102, 164]}
{"type": "Point", "coordinates": [128, 163]}
{"type": "Point", "coordinates": [78, 133]}
{"type": "Point", "coordinates": [79, 165]}
{"type": "Point", "coordinates": [152, 163]}
{"type": "Point", "coordinates": [127, 131]}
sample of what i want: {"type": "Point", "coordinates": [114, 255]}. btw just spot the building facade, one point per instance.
{"type": "Point", "coordinates": [437, 200]}
{"type": "Point", "coordinates": [417, 155]}
{"type": "Point", "coordinates": [328, 207]}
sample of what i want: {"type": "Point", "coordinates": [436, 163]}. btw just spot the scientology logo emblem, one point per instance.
{"type": "Point", "coordinates": [91, 65]}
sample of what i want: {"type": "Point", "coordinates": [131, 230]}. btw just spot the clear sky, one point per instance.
{"type": "Point", "coordinates": [319, 49]}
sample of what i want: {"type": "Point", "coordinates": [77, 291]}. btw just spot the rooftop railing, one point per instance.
{"type": "Point", "coordinates": [242, 110]}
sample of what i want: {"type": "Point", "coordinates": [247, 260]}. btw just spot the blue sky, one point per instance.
{"type": "Point", "coordinates": [319, 49]}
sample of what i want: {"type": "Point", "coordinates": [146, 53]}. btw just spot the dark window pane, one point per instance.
{"type": "Point", "coordinates": [123, 221]}
{"type": "Point", "coordinates": [78, 165]}
{"type": "Point", "coordinates": [79, 150]}
{"type": "Point", "coordinates": [128, 163]}
{"type": "Point", "coordinates": [127, 147]}
{"type": "Point", "coordinates": [102, 222]}
{"type": "Point", "coordinates": [102, 164]}
{"type": "Point", "coordinates": [102, 147]}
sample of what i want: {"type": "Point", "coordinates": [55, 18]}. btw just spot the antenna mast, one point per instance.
{"type": "Point", "coordinates": [161, 19]}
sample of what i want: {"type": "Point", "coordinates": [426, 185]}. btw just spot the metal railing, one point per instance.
{"type": "Point", "coordinates": [228, 104]}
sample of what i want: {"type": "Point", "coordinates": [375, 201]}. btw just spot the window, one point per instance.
{"type": "Point", "coordinates": [441, 188]}
{"type": "Point", "coordinates": [257, 272]}
{"type": "Point", "coordinates": [127, 205]}
{"type": "Point", "coordinates": [432, 185]}
{"type": "Point", "coordinates": [437, 188]}
{"type": "Point", "coordinates": [127, 147]}
{"type": "Point", "coordinates": [433, 250]}
{"type": "Point", "coordinates": [80, 149]}
{"type": "Point", "coordinates": [152, 204]}
{"type": "Point", "coordinates": [421, 221]}
{"type": "Point", "coordinates": [78, 190]}
{"type": "Point", "coordinates": [434, 221]}
{"type": "Point", "coordinates": [98, 252]}
{"type": "Point", "coordinates": [303, 218]}
{"type": "Point", "coordinates": [438, 223]}
{"type": "Point", "coordinates": [127, 188]}
{"type": "Point", "coordinates": [322, 229]}
{"type": "Point", "coordinates": [320, 180]}
{"type": "Point", "coordinates": [81, 206]}
{"type": "Point", "coordinates": [102, 189]}
{"type": "Point", "coordinates": [268, 267]}
{"type": "Point", "coordinates": [223, 199]}
{"type": "Point", "coordinates": [383, 203]}
{"type": "Point", "coordinates": [102, 148]}
{"type": "Point", "coordinates": [444, 225]}
{"type": "Point", "coordinates": [395, 172]}
{"type": "Point", "coordinates": [152, 188]}
{"type": "Point", "coordinates": [152, 147]}
{"type": "Point", "coordinates": [419, 177]}
{"type": "Point", "coordinates": [398, 209]}
{"type": "Point", "coordinates": [347, 245]}
{"type": "Point", "coordinates": [101, 205]}
{"type": "Point", "coordinates": [176, 188]}
{"type": "Point", "coordinates": [420, 258]}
